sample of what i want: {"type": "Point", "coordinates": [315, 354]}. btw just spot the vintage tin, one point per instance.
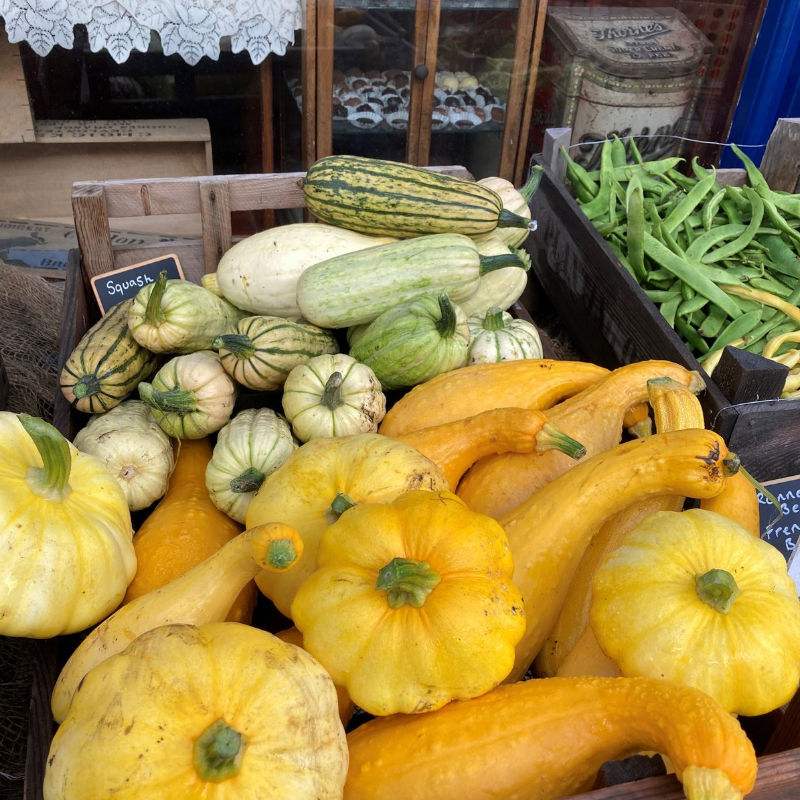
{"type": "Point", "coordinates": [629, 71]}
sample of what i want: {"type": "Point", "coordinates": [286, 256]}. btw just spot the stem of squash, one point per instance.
{"type": "Point", "coordinates": [240, 344]}
{"type": "Point", "coordinates": [552, 438]}
{"type": "Point", "coordinates": [493, 321]}
{"type": "Point", "coordinates": [491, 263]}
{"type": "Point", "coordinates": [529, 189]}
{"type": "Point", "coordinates": [249, 481]}
{"type": "Point", "coordinates": [218, 752]}
{"type": "Point", "coordinates": [407, 582]}
{"type": "Point", "coordinates": [446, 324]}
{"type": "Point", "coordinates": [87, 386]}
{"type": "Point", "coordinates": [172, 401]}
{"type": "Point", "coordinates": [508, 219]}
{"type": "Point", "coordinates": [717, 588]}
{"type": "Point", "coordinates": [332, 396]}
{"type": "Point", "coordinates": [339, 505]}
{"type": "Point", "coordinates": [153, 313]}
{"type": "Point", "coordinates": [50, 481]}
{"type": "Point", "coordinates": [281, 554]}
{"type": "Point", "coordinates": [731, 465]}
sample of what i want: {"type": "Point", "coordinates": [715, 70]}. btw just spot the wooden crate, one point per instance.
{"type": "Point", "coordinates": [779, 774]}
{"type": "Point", "coordinates": [613, 322]}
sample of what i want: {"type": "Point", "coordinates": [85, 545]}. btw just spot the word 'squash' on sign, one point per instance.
{"type": "Point", "coordinates": [112, 288]}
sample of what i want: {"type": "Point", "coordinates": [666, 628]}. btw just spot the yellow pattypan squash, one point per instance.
{"type": "Point", "coordinates": [412, 604]}
{"type": "Point", "coordinates": [323, 478]}
{"type": "Point", "coordinates": [695, 598]}
{"type": "Point", "coordinates": [201, 713]}
{"type": "Point", "coordinates": [65, 533]}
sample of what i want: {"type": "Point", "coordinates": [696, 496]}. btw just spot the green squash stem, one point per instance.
{"type": "Point", "coordinates": [529, 189]}
{"type": "Point", "coordinates": [240, 344]}
{"type": "Point", "coordinates": [493, 321]}
{"type": "Point", "coordinates": [87, 386]}
{"type": "Point", "coordinates": [332, 396]}
{"type": "Point", "coordinates": [218, 752]}
{"type": "Point", "coordinates": [508, 219]}
{"type": "Point", "coordinates": [51, 480]}
{"type": "Point", "coordinates": [281, 554]}
{"type": "Point", "coordinates": [642, 429]}
{"type": "Point", "coordinates": [731, 465]}
{"type": "Point", "coordinates": [552, 438]}
{"type": "Point", "coordinates": [172, 401]}
{"type": "Point", "coordinates": [249, 481]}
{"type": "Point", "coordinates": [717, 588]}
{"type": "Point", "coordinates": [407, 582]}
{"type": "Point", "coordinates": [154, 313]}
{"type": "Point", "coordinates": [446, 324]}
{"type": "Point", "coordinates": [340, 504]}
{"type": "Point", "coordinates": [491, 263]}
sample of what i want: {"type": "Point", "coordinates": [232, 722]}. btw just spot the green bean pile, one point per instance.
{"type": "Point", "coordinates": [721, 263]}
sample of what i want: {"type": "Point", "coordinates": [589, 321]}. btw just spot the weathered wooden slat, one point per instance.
{"type": "Point", "coordinates": [786, 735]}
{"type": "Point", "coordinates": [781, 162]}
{"type": "Point", "coordinates": [91, 225]}
{"type": "Point", "coordinates": [746, 377]}
{"type": "Point", "coordinates": [554, 140]}
{"type": "Point", "coordinates": [215, 211]}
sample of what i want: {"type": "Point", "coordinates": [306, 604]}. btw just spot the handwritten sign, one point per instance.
{"type": "Point", "coordinates": [114, 287]}
{"type": "Point", "coordinates": [783, 532]}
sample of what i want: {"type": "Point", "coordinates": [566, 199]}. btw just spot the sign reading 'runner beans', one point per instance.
{"type": "Point", "coordinates": [783, 531]}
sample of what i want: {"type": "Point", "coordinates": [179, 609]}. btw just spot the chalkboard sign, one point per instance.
{"type": "Point", "coordinates": [112, 288]}
{"type": "Point", "coordinates": [783, 532]}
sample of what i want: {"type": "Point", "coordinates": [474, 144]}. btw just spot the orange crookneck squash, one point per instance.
{"type": "Point", "coordinates": [184, 529]}
{"type": "Point", "coordinates": [412, 604]}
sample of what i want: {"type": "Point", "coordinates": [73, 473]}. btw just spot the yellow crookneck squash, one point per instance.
{"type": "Point", "coordinates": [675, 408]}
{"type": "Point", "coordinates": [320, 480]}
{"type": "Point", "coordinates": [455, 446]}
{"type": "Point", "coordinates": [595, 417]}
{"type": "Point", "coordinates": [550, 532]}
{"type": "Point", "coordinates": [201, 596]}
{"type": "Point", "coordinates": [65, 533]}
{"type": "Point", "coordinates": [215, 712]}
{"type": "Point", "coordinates": [545, 739]}
{"type": "Point", "coordinates": [412, 604]}
{"type": "Point", "coordinates": [184, 529]}
{"type": "Point", "coordinates": [465, 392]}
{"type": "Point", "coordinates": [695, 598]}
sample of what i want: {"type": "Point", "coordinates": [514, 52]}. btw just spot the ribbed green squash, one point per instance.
{"type": "Point", "coordinates": [414, 342]}
{"type": "Point", "coordinates": [497, 336]}
{"type": "Point", "coordinates": [107, 364]}
{"type": "Point", "coordinates": [500, 288]}
{"type": "Point", "coordinates": [259, 352]}
{"type": "Point", "coordinates": [384, 197]}
{"type": "Point", "coordinates": [359, 287]}
{"type": "Point", "coordinates": [173, 316]}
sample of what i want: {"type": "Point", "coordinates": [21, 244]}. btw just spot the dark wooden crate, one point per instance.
{"type": "Point", "coordinates": [612, 322]}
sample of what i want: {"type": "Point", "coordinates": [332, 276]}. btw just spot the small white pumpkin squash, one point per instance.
{"type": "Point", "coordinates": [133, 449]}
{"type": "Point", "coordinates": [497, 336]}
{"type": "Point", "coordinates": [333, 395]}
{"type": "Point", "coordinates": [249, 448]}
{"type": "Point", "coordinates": [500, 288]}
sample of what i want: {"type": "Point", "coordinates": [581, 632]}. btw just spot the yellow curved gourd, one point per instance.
{"type": "Point", "coordinates": [203, 595]}
{"type": "Point", "coordinates": [550, 532]}
{"type": "Point", "coordinates": [738, 502]}
{"type": "Point", "coordinates": [586, 659]}
{"type": "Point", "coordinates": [531, 383]}
{"type": "Point", "coordinates": [545, 739]}
{"type": "Point", "coordinates": [595, 417]}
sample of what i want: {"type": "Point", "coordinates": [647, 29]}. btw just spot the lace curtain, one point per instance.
{"type": "Point", "coordinates": [191, 28]}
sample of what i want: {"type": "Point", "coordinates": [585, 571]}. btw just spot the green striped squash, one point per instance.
{"type": "Point", "coordinates": [107, 364]}
{"type": "Point", "coordinates": [358, 287]}
{"type": "Point", "coordinates": [383, 197]}
{"type": "Point", "coordinates": [259, 352]}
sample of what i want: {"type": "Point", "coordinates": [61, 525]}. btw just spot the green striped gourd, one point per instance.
{"type": "Point", "coordinates": [383, 197]}
{"type": "Point", "coordinates": [414, 342]}
{"type": "Point", "coordinates": [500, 288]}
{"type": "Point", "coordinates": [516, 201]}
{"type": "Point", "coordinates": [191, 396]}
{"type": "Point", "coordinates": [359, 287]}
{"type": "Point", "coordinates": [497, 336]}
{"type": "Point", "coordinates": [259, 352]}
{"type": "Point", "coordinates": [174, 316]}
{"type": "Point", "coordinates": [107, 364]}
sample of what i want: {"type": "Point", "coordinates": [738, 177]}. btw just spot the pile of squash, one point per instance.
{"type": "Point", "coordinates": [503, 520]}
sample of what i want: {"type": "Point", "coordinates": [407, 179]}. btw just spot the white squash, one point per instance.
{"type": "Point", "coordinates": [515, 200]}
{"type": "Point", "coordinates": [260, 273]}
{"type": "Point", "coordinates": [249, 448]}
{"type": "Point", "coordinates": [133, 448]}
{"type": "Point", "coordinates": [333, 395]}
{"type": "Point", "coordinates": [497, 336]}
{"type": "Point", "coordinates": [500, 288]}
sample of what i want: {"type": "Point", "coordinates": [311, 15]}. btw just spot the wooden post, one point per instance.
{"type": "Point", "coordinates": [744, 377]}
{"type": "Point", "coordinates": [554, 140]}
{"type": "Point", "coordinates": [325, 45]}
{"type": "Point", "coordinates": [267, 132]}
{"type": "Point", "coordinates": [426, 47]}
{"type": "Point", "coordinates": [91, 226]}
{"type": "Point", "coordinates": [308, 60]}
{"type": "Point", "coordinates": [781, 162]}
{"type": "Point", "coordinates": [16, 120]}
{"type": "Point", "coordinates": [215, 211]}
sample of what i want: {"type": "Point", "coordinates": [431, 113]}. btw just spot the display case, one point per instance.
{"type": "Point", "coordinates": [422, 81]}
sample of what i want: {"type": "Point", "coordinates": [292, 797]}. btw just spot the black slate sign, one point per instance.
{"type": "Point", "coordinates": [112, 288]}
{"type": "Point", "coordinates": [782, 532]}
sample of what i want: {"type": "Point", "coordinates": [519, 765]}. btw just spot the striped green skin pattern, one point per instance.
{"type": "Point", "coordinates": [358, 287]}
{"type": "Point", "coordinates": [279, 345]}
{"type": "Point", "coordinates": [107, 364]}
{"type": "Point", "coordinates": [384, 197]}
